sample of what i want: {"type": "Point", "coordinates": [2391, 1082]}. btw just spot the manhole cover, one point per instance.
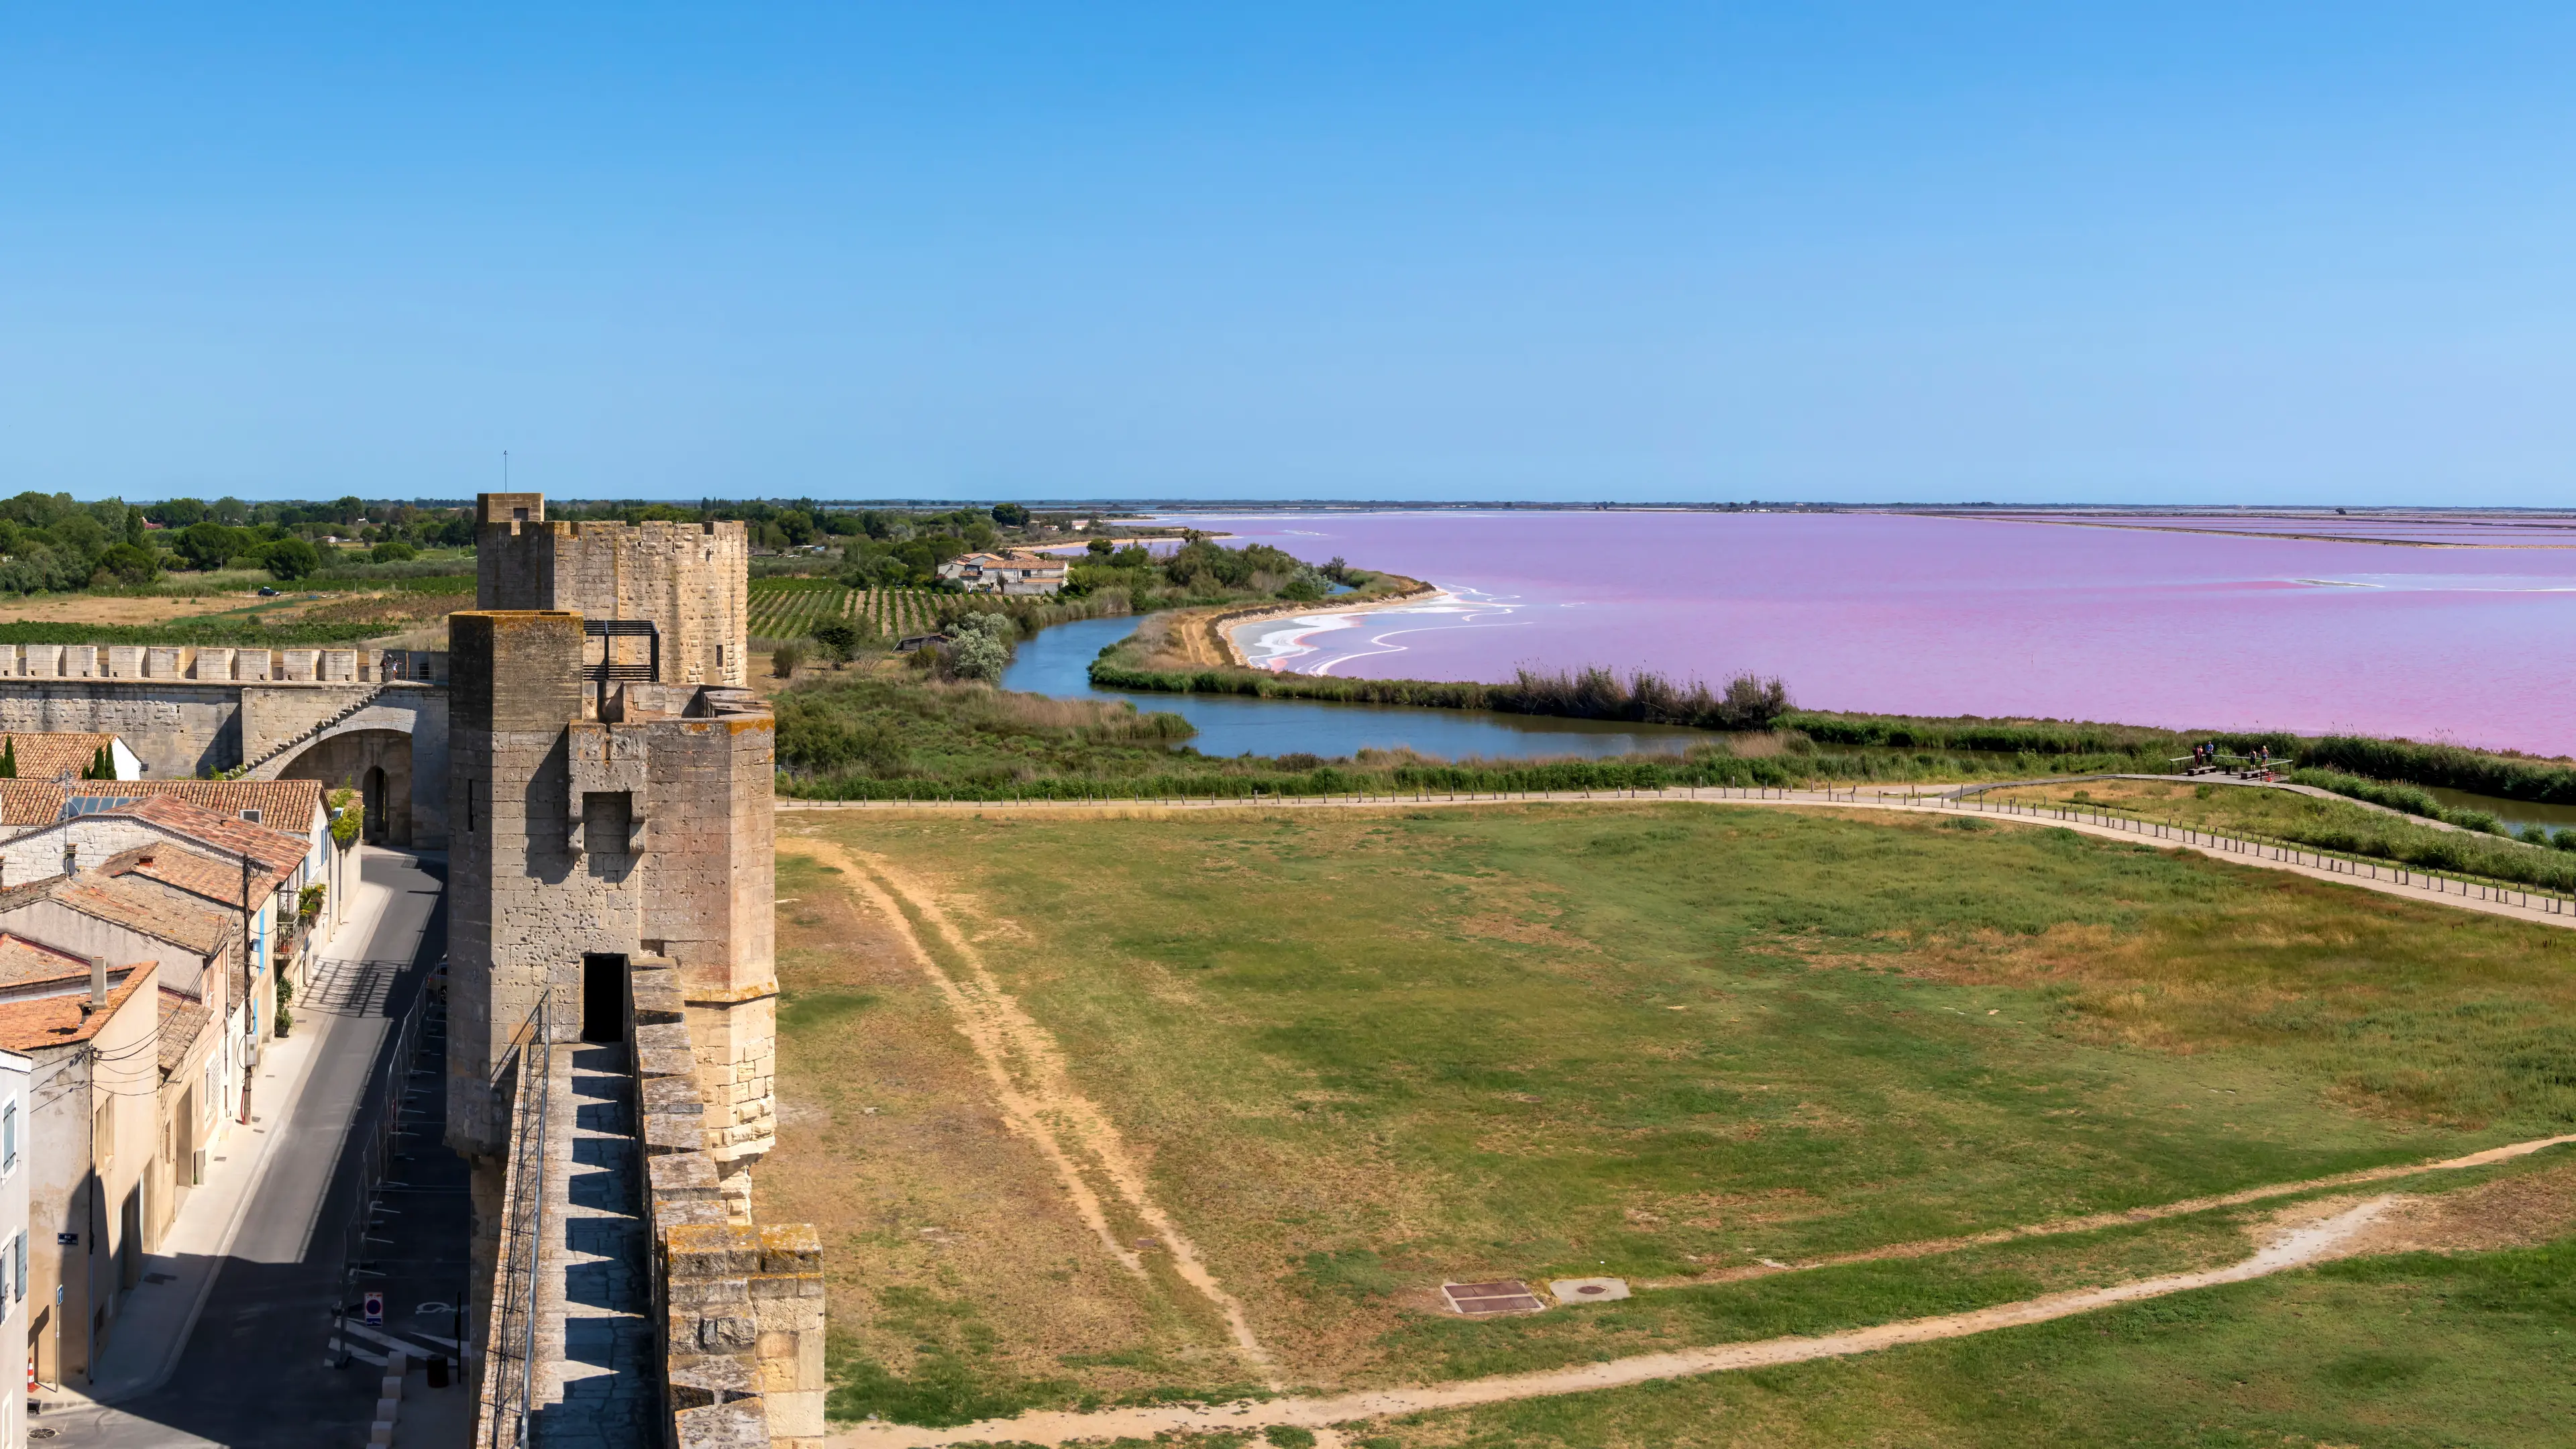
{"type": "Point", "coordinates": [1588, 1290]}
{"type": "Point", "coordinates": [1481, 1300]}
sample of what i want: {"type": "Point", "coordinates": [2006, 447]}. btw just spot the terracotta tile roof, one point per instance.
{"type": "Point", "coordinates": [203, 876]}
{"type": "Point", "coordinates": [23, 960]}
{"type": "Point", "coordinates": [52, 755]}
{"type": "Point", "coordinates": [275, 849]}
{"type": "Point", "coordinates": [288, 805]}
{"type": "Point", "coordinates": [182, 1023]}
{"type": "Point", "coordinates": [138, 906]}
{"type": "Point", "coordinates": [30, 802]}
{"type": "Point", "coordinates": [58, 1021]}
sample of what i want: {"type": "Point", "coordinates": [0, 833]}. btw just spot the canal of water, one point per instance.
{"type": "Point", "coordinates": [1058, 660]}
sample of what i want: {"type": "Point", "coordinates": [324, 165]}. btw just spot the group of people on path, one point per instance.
{"type": "Point", "coordinates": [2206, 756]}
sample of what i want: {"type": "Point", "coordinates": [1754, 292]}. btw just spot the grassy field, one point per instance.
{"type": "Point", "coordinates": [1355, 1055]}
{"type": "Point", "coordinates": [2420, 1349]}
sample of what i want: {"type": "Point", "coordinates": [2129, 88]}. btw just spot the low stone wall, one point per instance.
{"type": "Point", "coordinates": [231, 665]}
{"type": "Point", "coordinates": [740, 1305]}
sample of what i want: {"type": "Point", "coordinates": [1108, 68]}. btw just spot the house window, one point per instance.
{"type": "Point", "coordinates": [518, 515]}
{"type": "Point", "coordinates": [607, 821]}
{"type": "Point", "coordinates": [9, 1138]}
{"type": "Point", "coordinates": [251, 815]}
{"type": "Point", "coordinates": [18, 1266]}
{"type": "Point", "coordinates": [102, 1129]}
{"type": "Point", "coordinates": [469, 805]}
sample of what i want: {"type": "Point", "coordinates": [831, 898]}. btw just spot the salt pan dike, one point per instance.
{"type": "Point", "coordinates": [2182, 627]}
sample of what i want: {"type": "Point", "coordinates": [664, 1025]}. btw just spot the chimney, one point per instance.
{"type": "Point", "coordinates": [97, 986]}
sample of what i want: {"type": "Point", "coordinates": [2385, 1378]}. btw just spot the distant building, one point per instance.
{"type": "Point", "coordinates": [1012, 572]}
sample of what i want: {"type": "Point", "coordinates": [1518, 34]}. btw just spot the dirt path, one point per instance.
{"type": "Point", "coordinates": [2096, 1221]}
{"type": "Point", "coordinates": [2485, 900]}
{"type": "Point", "coordinates": [2292, 1248]}
{"type": "Point", "coordinates": [1033, 1088]}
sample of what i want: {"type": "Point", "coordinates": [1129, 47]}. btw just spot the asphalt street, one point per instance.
{"type": "Point", "coordinates": [261, 1365]}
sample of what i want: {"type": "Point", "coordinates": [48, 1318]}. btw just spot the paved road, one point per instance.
{"type": "Point", "coordinates": [258, 1368]}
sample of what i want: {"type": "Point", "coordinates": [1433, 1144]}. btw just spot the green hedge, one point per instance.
{"type": "Point", "coordinates": [2447, 767]}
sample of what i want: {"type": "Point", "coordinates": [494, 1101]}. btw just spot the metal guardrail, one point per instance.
{"type": "Point", "coordinates": [374, 1162]}
{"type": "Point", "coordinates": [509, 1389]}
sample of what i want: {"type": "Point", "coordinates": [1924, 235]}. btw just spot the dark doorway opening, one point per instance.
{"type": "Point", "coordinates": [374, 795]}
{"type": "Point", "coordinates": [603, 997]}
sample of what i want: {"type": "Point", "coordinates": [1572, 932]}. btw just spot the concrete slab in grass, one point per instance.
{"type": "Point", "coordinates": [1588, 1290]}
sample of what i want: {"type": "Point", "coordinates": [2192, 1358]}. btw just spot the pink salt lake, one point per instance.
{"type": "Point", "coordinates": [1938, 616]}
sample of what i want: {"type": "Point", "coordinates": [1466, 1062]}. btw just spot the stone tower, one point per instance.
{"type": "Point", "coordinates": [609, 795]}
{"type": "Point", "coordinates": [691, 580]}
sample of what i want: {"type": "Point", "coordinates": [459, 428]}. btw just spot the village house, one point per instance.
{"type": "Point", "coordinates": [1011, 572]}
{"type": "Point", "coordinates": [15, 1099]}
{"type": "Point", "coordinates": [202, 985]}
{"type": "Point", "coordinates": [292, 808]}
{"type": "Point", "coordinates": [92, 1036]}
{"type": "Point", "coordinates": [65, 755]}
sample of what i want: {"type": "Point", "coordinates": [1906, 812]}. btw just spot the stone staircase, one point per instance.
{"type": "Point", "coordinates": [252, 770]}
{"type": "Point", "coordinates": [598, 1370]}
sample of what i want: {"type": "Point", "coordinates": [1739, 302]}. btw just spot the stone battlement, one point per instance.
{"type": "Point", "coordinates": [177, 662]}
{"type": "Point", "coordinates": [691, 581]}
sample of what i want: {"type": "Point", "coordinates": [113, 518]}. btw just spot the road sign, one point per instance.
{"type": "Point", "coordinates": [375, 1309]}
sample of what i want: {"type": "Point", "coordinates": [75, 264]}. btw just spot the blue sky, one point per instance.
{"type": "Point", "coordinates": [2325, 253]}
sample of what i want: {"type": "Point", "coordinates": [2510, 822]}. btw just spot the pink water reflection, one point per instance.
{"type": "Point", "coordinates": [1950, 616]}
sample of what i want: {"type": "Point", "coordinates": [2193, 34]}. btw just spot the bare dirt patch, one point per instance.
{"type": "Point", "coordinates": [118, 608]}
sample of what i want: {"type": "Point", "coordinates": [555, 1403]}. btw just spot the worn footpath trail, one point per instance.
{"type": "Point", "coordinates": [2294, 1248]}
{"type": "Point", "coordinates": [1030, 1083]}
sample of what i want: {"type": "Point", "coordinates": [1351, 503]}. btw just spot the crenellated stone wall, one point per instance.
{"type": "Point", "coordinates": [741, 1307]}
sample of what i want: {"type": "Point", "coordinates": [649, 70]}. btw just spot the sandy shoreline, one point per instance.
{"type": "Point", "coordinates": [1224, 626]}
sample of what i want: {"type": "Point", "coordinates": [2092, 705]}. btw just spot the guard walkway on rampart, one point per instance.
{"type": "Point", "coordinates": [629, 1310]}
{"type": "Point", "coordinates": [595, 1363]}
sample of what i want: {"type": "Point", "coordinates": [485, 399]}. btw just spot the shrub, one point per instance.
{"type": "Point", "coordinates": [784, 659]}
{"type": "Point", "coordinates": [978, 655]}
{"type": "Point", "coordinates": [395, 551]}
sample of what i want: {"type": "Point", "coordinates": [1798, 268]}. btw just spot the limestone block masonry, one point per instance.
{"type": "Point", "coordinates": [692, 581]}
{"type": "Point", "coordinates": [606, 824]}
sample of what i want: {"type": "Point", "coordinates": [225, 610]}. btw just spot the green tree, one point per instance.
{"type": "Point", "coordinates": [838, 639]}
{"type": "Point", "coordinates": [980, 646]}
{"type": "Point", "coordinates": [130, 563]}
{"type": "Point", "coordinates": [9, 758]}
{"type": "Point", "coordinates": [102, 766]}
{"type": "Point", "coordinates": [1099, 548]}
{"type": "Point", "coordinates": [1011, 515]}
{"type": "Point", "coordinates": [290, 558]}
{"type": "Point", "coordinates": [396, 551]}
{"type": "Point", "coordinates": [207, 545]}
